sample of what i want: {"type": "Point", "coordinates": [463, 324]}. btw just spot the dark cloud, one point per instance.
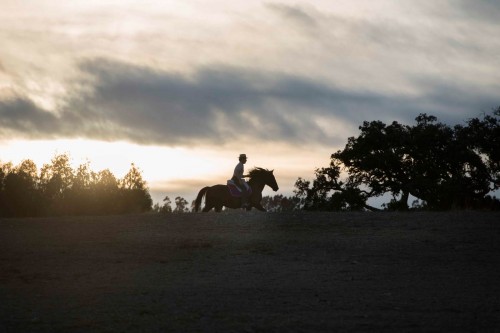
{"type": "Point", "coordinates": [295, 14]}
{"type": "Point", "coordinates": [216, 104]}
{"type": "Point", "coordinates": [122, 101]}
{"type": "Point", "coordinates": [478, 10]}
{"type": "Point", "coordinates": [20, 115]}
{"type": "Point", "coordinates": [454, 102]}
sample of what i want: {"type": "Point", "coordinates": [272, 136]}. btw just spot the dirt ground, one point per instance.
{"type": "Point", "coordinates": [252, 272]}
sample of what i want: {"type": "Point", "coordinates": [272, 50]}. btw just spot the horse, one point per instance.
{"type": "Point", "coordinates": [218, 196]}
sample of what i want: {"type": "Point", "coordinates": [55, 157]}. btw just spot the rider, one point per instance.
{"type": "Point", "coordinates": [239, 180]}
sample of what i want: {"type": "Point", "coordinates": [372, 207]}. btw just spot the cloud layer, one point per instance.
{"type": "Point", "coordinates": [121, 101]}
{"type": "Point", "coordinates": [274, 72]}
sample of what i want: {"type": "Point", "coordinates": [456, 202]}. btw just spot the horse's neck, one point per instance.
{"type": "Point", "coordinates": [256, 185]}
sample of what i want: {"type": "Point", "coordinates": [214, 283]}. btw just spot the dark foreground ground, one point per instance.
{"type": "Point", "coordinates": [257, 272]}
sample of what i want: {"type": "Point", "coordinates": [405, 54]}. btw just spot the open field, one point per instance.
{"type": "Point", "coordinates": [255, 272]}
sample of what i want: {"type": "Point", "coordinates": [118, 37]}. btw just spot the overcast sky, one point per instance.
{"type": "Point", "coordinates": [212, 74]}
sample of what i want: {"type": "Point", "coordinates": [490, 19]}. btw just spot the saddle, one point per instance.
{"type": "Point", "coordinates": [235, 190]}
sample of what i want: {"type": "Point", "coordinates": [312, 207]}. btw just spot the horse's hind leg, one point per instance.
{"type": "Point", "coordinates": [208, 204]}
{"type": "Point", "coordinates": [207, 208]}
{"type": "Point", "coordinates": [218, 209]}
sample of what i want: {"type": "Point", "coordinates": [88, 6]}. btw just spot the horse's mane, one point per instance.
{"type": "Point", "coordinates": [256, 172]}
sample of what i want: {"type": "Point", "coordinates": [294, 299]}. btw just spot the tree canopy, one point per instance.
{"type": "Point", "coordinates": [445, 167]}
{"type": "Point", "coordinates": [58, 189]}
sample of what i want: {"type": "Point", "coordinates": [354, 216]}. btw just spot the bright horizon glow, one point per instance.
{"type": "Point", "coordinates": [168, 171]}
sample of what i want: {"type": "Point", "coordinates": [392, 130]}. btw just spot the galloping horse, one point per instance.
{"type": "Point", "coordinates": [218, 195]}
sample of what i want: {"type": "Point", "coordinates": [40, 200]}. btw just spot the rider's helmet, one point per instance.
{"type": "Point", "coordinates": [243, 157]}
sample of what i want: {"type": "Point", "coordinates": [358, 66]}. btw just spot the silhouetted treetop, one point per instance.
{"type": "Point", "coordinates": [441, 165]}
{"type": "Point", "coordinates": [58, 189]}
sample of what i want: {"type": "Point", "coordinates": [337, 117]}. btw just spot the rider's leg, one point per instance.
{"type": "Point", "coordinates": [244, 198]}
{"type": "Point", "coordinates": [244, 193]}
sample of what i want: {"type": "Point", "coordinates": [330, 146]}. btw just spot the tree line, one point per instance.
{"type": "Point", "coordinates": [181, 206]}
{"type": "Point", "coordinates": [277, 203]}
{"type": "Point", "coordinates": [58, 189]}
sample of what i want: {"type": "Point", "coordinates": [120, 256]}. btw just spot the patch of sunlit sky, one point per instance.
{"type": "Point", "coordinates": [168, 171]}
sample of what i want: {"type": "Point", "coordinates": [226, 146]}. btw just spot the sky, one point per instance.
{"type": "Point", "coordinates": [181, 88]}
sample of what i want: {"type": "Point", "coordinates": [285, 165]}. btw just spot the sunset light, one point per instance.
{"type": "Point", "coordinates": [181, 88]}
{"type": "Point", "coordinates": [168, 171]}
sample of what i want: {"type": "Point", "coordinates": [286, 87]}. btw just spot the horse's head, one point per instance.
{"type": "Point", "coordinates": [265, 176]}
{"type": "Point", "coordinates": [271, 181]}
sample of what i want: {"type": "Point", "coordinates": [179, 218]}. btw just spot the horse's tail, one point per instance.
{"type": "Point", "coordinates": [200, 196]}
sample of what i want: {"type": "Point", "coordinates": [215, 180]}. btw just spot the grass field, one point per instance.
{"type": "Point", "coordinates": [252, 272]}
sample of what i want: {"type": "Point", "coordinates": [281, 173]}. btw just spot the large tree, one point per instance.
{"type": "Point", "coordinates": [443, 166]}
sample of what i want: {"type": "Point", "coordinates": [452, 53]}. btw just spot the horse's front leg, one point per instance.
{"type": "Point", "coordinates": [255, 202]}
{"type": "Point", "coordinates": [259, 207]}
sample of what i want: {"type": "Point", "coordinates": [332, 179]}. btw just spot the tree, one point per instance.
{"type": "Point", "coordinates": [56, 180]}
{"type": "Point", "coordinates": [133, 179]}
{"type": "Point", "coordinates": [81, 198]}
{"type": "Point", "coordinates": [181, 205]}
{"type": "Point", "coordinates": [165, 208]}
{"type": "Point", "coordinates": [106, 194]}
{"type": "Point", "coordinates": [58, 175]}
{"type": "Point", "coordinates": [280, 203]}
{"type": "Point", "coordinates": [135, 192]}
{"type": "Point", "coordinates": [19, 194]}
{"type": "Point", "coordinates": [443, 166]}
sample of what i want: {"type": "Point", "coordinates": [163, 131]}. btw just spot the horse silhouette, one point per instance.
{"type": "Point", "coordinates": [218, 196]}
